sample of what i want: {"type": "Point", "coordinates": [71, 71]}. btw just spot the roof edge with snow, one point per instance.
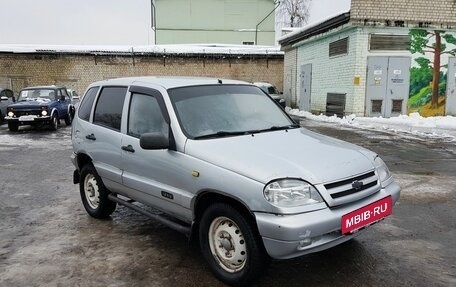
{"type": "Point", "coordinates": [190, 50]}
{"type": "Point", "coordinates": [315, 29]}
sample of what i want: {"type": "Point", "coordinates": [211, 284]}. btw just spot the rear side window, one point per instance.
{"type": "Point", "coordinates": [108, 111]}
{"type": "Point", "coordinates": [87, 102]}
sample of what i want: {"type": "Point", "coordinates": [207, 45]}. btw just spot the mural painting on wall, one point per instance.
{"type": "Point", "coordinates": [428, 75]}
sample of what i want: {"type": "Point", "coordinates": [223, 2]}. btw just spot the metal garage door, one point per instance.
{"type": "Point", "coordinates": [451, 88]}
{"type": "Point", "coordinates": [388, 84]}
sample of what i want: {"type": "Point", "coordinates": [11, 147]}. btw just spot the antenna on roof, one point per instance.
{"type": "Point", "coordinates": [220, 81]}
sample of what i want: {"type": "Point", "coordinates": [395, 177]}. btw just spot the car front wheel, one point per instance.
{"type": "Point", "coordinates": [54, 123]}
{"type": "Point", "coordinates": [230, 245]}
{"type": "Point", "coordinates": [13, 126]}
{"type": "Point", "coordinates": [94, 194]}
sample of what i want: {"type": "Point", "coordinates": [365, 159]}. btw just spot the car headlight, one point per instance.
{"type": "Point", "coordinates": [44, 113]}
{"type": "Point", "coordinates": [382, 170]}
{"type": "Point", "coordinates": [291, 193]}
{"type": "Point", "coordinates": [10, 114]}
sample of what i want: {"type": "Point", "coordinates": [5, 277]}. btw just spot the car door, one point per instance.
{"type": "Point", "coordinates": [150, 176]}
{"type": "Point", "coordinates": [64, 101]}
{"type": "Point", "coordinates": [103, 137]}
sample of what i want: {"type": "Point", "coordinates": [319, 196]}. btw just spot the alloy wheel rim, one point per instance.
{"type": "Point", "coordinates": [227, 244]}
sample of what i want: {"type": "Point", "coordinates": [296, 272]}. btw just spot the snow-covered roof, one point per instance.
{"type": "Point", "coordinates": [332, 20]}
{"type": "Point", "coordinates": [188, 49]}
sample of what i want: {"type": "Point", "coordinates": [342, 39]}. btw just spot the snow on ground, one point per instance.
{"type": "Point", "coordinates": [435, 127]}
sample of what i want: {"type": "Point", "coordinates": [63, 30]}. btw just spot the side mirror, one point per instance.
{"type": "Point", "coordinates": [154, 141]}
{"type": "Point", "coordinates": [62, 98]}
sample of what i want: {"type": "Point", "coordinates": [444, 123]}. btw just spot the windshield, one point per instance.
{"type": "Point", "coordinates": [224, 110]}
{"type": "Point", "coordinates": [43, 95]}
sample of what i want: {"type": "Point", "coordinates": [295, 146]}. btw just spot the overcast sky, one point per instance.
{"type": "Point", "coordinates": [96, 22]}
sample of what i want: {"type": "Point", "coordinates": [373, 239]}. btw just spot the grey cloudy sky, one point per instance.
{"type": "Point", "coordinates": [95, 22]}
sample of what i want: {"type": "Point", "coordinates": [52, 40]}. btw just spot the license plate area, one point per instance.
{"type": "Point", "coordinates": [367, 215]}
{"type": "Point", "coordinates": [27, 118]}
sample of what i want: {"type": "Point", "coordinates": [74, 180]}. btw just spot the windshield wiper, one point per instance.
{"type": "Point", "coordinates": [221, 134]}
{"type": "Point", "coordinates": [249, 132]}
{"type": "Point", "coordinates": [278, 128]}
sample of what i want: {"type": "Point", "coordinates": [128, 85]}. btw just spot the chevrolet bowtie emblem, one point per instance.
{"type": "Point", "coordinates": [357, 185]}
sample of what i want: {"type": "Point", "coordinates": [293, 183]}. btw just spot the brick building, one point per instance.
{"type": "Point", "coordinates": [361, 61]}
{"type": "Point", "coordinates": [77, 67]}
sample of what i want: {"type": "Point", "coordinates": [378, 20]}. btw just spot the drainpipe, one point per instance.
{"type": "Point", "coordinates": [256, 28]}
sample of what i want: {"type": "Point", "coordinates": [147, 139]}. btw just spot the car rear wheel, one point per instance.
{"type": "Point", "coordinates": [94, 194]}
{"type": "Point", "coordinates": [54, 123]}
{"type": "Point", "coordinates": [13, 127]}
{"type": "Point", "coordinates": [230, 245]}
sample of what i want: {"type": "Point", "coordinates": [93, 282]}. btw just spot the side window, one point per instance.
{"type": "Point", "coordinates": [86, 106]}
{"type": "Point", "coordinates": [145, 116]}
{"type": "Point", "coordinates": [108, 110]}
{"type": "Point", "coordinates": [58, 95]}
{"type": "Point", "coordinates": [64, 92]}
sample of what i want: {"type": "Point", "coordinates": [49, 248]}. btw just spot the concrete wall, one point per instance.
{"type": "Point", "coordinates": [78, 71]}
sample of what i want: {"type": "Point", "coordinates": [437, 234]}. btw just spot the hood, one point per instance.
{"type": "Point", "coordinates": [30, 104]}
{"type": "Point", "coordinates": [296, 153]}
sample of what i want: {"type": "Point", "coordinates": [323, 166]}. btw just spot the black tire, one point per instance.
{"type": "Point", "coordinates": [13, 126]}
{"type": "Point", "coordinates": [238, 237]}
{"type": "Point", "coordinates": [2, 118]}
{"type": "Point", "coordinates": [69, 117]}
{"type": "Point", "coordinates": [54, 122]}
{"type": "Point", "coordinates": [91, 180]}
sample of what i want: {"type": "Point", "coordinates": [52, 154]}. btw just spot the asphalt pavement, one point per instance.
{"type": "Point", "coordinates": [47, 239]}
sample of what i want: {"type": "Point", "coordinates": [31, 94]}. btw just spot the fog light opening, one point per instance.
{"type": "Point", "coordinates": [304, 243]}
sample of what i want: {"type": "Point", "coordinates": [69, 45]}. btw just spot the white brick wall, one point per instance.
{"type": "Point", "coordinates": [289, 80]}
{"type": "Point", "coordinates": [329, 75]}
{"type": "Point", "coordinates": [336, 74]}
{"type": "Point", "coordinates": [362, 52]}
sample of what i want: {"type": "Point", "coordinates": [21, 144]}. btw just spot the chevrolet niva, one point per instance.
{"type": "Point", "coordinates": [43, 105]}
{"type": "Point", "coordinates": [204, 152]}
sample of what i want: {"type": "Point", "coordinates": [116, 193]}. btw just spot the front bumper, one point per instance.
{"type": "Point", "coordinates": [289, 236]}
{"type": "Point", "coordinates": [27, 120]}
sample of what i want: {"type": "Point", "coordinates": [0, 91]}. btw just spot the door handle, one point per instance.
{"type": "Point", "coordinates": [128, 148]}
{"type": "Point", "coordinates": [91, 137]}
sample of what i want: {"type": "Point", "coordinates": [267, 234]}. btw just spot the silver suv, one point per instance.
{"type": "Point", "coordinates": [204, 152]}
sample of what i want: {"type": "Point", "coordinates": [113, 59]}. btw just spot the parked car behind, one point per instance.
{"type": "Point", "coordinates": [272, 91]}
{"type": "Point", "coordinates": [43, 105]}
{"type": "Point", "coordinates": [6, 98]}
{"type": "Point", "coordinates": [73, 96]}
{"type": "Point", "coordinates": [204, 152]}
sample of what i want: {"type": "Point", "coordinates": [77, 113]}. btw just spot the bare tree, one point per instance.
{"type": "Point", "coordinates": [293, 13]}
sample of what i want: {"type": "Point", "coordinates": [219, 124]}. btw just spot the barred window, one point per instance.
{"type": "Point", "coordinates": [339, 47]}
{"type": "Point", "coordinates": [377, 106]}
{"type": "Point", "coordinates": [389, 42]}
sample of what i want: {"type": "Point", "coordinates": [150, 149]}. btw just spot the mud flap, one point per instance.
{"type": "Point", "coordinates": [76, 176]}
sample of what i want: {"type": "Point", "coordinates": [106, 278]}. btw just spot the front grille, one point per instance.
{"type": "Point", "coordinates": [346, 187]}
{"type": "Point", "coordinates": [19, 113]}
